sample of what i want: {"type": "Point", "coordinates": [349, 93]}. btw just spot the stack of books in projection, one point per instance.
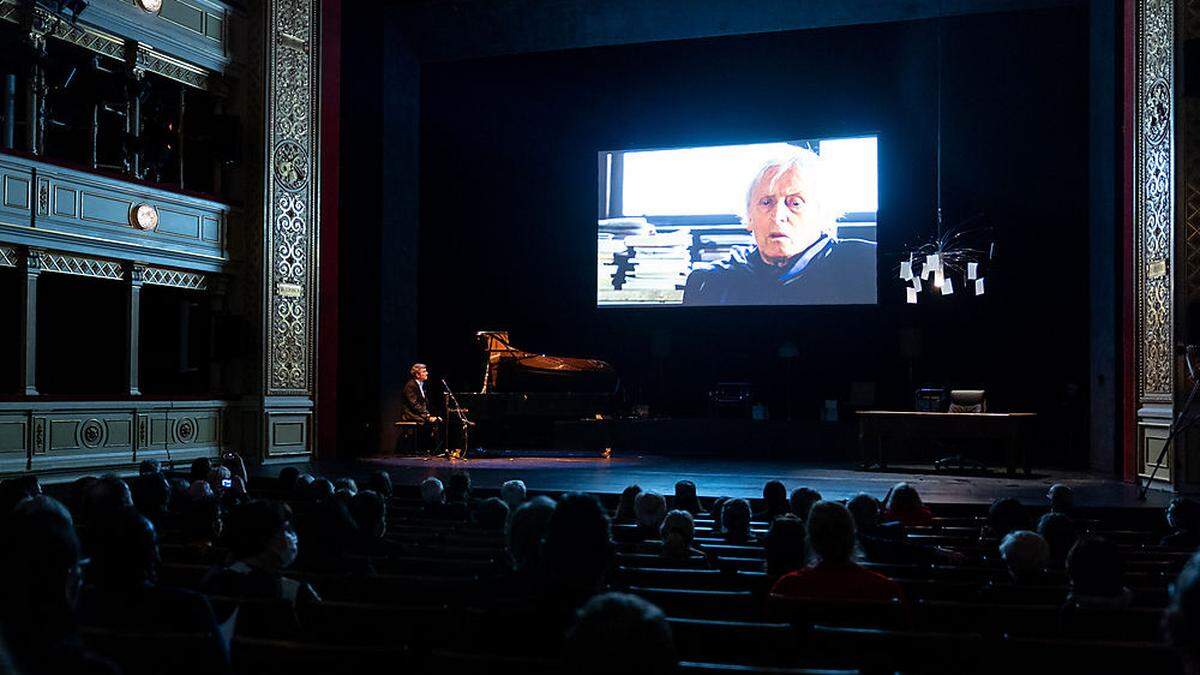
{"type": "Point", "coordinates": [716, 246]}
{"type": "Point", "coordinates": [612, 252]}
{"type": "Point", "coordinates": [658, 261]}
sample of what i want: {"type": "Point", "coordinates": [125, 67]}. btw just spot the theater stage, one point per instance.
{"type": "Point", "coordinates": [745, 477]}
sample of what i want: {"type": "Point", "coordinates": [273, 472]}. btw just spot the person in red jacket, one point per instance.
{"type": "Point", "coordinates": [832, 573]}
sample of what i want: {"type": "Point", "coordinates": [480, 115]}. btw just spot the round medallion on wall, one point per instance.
{"type": "Point", "coordinates": [150, 6]}
{"type": "Point", "coordinates": [291, 165]}
{"type": "Point", "coordinates": [185, 430]}
{"type": "Point", "coordinates": [144, 217]}
{"type": "Point", "coordinates": [91, 433]}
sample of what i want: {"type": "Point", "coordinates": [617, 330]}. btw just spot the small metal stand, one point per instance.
{"type": "Point", "coordinates": [453, 406]}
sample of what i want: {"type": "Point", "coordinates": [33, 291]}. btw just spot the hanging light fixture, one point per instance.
{"type": "Point", "coordinates": [959, 253]}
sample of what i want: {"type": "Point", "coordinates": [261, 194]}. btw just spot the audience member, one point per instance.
{"type": "Point", "coordinates": [369, 511]}
{"type": "Point", "coordinates": [200, 490]}
{"type": "Point", "coordinates": [903, 505]}
{"type": "Point", "coordinates": [513, 493]}
{"type": "Point", "coordinates": [458, 495]}
{"type": "Point", "coordinates": [678, 533]}
{"type": "Point", "coordinates": [775, 501]}
{"type": "Point", "coordinates": [1061, 499]}
{"type": "Point", "coordinates": [1006, 515]}
{"type": "Point", "coordinates": [1060, 534]}
{"type": "Point", "coordinates": [17, 488]}
{"type": "Point", "coordinates": [620, 634]}
{"type": "Point", "coordinates": [122, 594]}
{"type": "Point", "coordinates": [201, 524]}
{"type": "Point", "coordinates": [148, 466]}
{"type": "Point", "coordinates": [626, 513]}
{"type": "Point", "coordinates": [199, 470]}
{"type": "Point", "coordinates": [152, 497]}
{"type": "Point", "coordinates": [524, 532]}
{"type": "Point", "coordinates": [578, 553]}
{"type": "Point", "coordinates": [651, 509]}
{"type": "Point", "coordinates": [832, 573]}
{"type": "Point", "coordinates": [735, 521]}
{"type": "Point", "coordinates": [490, 514]}
{"type": "Point", "coordinates": [219, 479]}
{"type": "Point", "coordinates": [346, 484]}
{"type": "Point", "coordinates": [432, 497]}
{"type": "Point", "coordinates": [287, 479]}
{"type": "Point", "coordinates": [381, 482]}
{"type": "Point", "coordinates": [1183, 616]}
{"type": "Point", "coordinates": [785, 548]}
{"type": "Point", "coordinates": [802, 500]}
{"type": "Point", "coordinates": [1025, 555]}
{"type": "Point", "coordinates": [1094, 572]}
{"type": "Point", "coordinates": [686, 498]}
{"type": "Point", "coordinates": [42, 577]}
{"type": "Point", "coordinates": [714, 510]}
{"type": "Point", "coordinates": [1183, 517]}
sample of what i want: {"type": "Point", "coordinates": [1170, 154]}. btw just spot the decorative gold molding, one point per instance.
{"type": "Point", "coordinates": [1154, 199]}
{"type": "Point", "coordinates": [80, 266]}
{"type": "Point", "coordinates": [291, 196]}
{"type": "Point", "coordinates": [161, 276]}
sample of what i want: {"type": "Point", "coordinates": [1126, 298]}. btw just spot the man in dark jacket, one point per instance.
{"type": "Point", "coordinates": [798, 258]}
{"type": "Point", "coordinates": [415, 406]}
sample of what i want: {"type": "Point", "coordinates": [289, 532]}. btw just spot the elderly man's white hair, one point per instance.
{"type": "Point", "coordinates": [513, 493]}
{"type": "Point", "coordinates": [812, 167]}
{"type": "Point", "coordinates": [415, 367]}
{"type": "Point", "coordinates": [1024, 552]}
{"type": "Point", "coordinates": [431, 490]}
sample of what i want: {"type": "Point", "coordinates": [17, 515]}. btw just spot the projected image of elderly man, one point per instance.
{"type": "Point", "coordinates": [797, 257]}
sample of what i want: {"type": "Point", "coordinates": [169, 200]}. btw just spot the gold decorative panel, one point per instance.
{"type": "Point", "coordinates": [1154, 202]}
{"type": "Point", "coordinates": [291, 197]}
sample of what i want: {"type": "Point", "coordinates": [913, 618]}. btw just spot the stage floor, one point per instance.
{"type": "Point", "coordinates": [745, 478]}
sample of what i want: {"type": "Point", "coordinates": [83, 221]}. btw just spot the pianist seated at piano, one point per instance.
{"type": "Point", "coordinates": [415, 406]}
{"type": "Point", "coordinates": [798, 257]}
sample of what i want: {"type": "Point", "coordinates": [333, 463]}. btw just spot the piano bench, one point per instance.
{"type": "Point", "coordinates": [406, 436]}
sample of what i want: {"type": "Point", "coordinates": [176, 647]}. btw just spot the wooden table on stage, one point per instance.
{"type": "Point", "coordinates": [1013, 429]}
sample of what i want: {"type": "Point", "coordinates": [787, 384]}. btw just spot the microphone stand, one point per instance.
{"type": "Point", "coordinates": [1176, 426]}
{"type": "Point", "coordinates": [464, 423]}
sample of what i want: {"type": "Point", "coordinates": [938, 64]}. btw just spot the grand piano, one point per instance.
{"type": "Point", "coordinates": [524, 393]}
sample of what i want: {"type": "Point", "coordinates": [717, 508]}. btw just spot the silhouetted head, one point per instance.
{"type": "Point", "coordinates": [686, 498]}
{"type": "Point", "coordinates": [431, 491]}
{"type": "Point", "coordinates": [802, 500]}
{"type": "Point", "coordinates": [1061, 498]}
{"type": "Point", "coordinates": [578, 548]}
{"type": "Point", "coordinates": [626, 512]}
{"type": "Point", "coordinates": [1094, 568]}
{"type": "Point", "coordinates": [620, 634]}
{"type": "Point", "coordinates": [1025, 554]}
{"type": "Point", "coordinates": [200, 468]}
{"type": "Point", "coordinates": [831, 534]}
{"type": "Point", "coordinates": [513, 493]}
{"type": "Point", "coordinates": [369, 511]}
{"type": "Point", "coordinates": [490, 514]}
{"type": "Point", "coordinates": [380, 481]}
{"type": "Point", "coordinates": [904, 499]}
{"type": "Point", "coordinates": [785, 545]}
{"type": "Point", "coordinates": [261, 531]}
{"type": "Point", "coordinates": [41, 571]}
{"type": "Point", "coordinates": [735, 519]}
{"type": "Point", "coordinates": [651, 508]}
{"type": "Point", "coordinates": [458, 488]}
{"type": "Point", "coordinates": [775, 497]}
{"type": "Point", "coordinates": [865, 510]}
{"type": "Point", "coordinates": [1184, 514]}
{"type": "Point", "coordinates": [1059, 532]}
{"type": "Point", "coordinates": [288, 476]}
{"type": "Point", "coordinates": [1006, 515]}
{"type": "Point", "coordinates": [151, 494]}
{"type": "Point", "coordinates": [124, 552]}
{"type": "Point", "coordinates": [525, 530]}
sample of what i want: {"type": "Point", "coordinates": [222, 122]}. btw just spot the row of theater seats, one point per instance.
{"type": "Point", "coordinates": [427, 610]}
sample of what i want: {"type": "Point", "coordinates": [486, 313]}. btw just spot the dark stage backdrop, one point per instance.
{"type": "Point", "coordinates": [508, 206]}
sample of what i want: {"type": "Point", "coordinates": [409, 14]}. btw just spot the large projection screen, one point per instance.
{"type": "Point", "coordinates": [783, 223]}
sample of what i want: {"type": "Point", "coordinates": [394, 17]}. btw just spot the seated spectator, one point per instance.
{"type": "Point", "coordinates": [432, 498]}
{"type": "Point", "coordinates": [381, 482]}
{"type": "Point", "coordinates": [343, 496]}
{"type": "Point", "coordinates": [490, 514]}
{"type": "Point", "coordinates": [802, 500]}
{"type": "Point", "coordinates": [326, 521]}
{"type": "Point", "coordinates": [288, 476]}
{"type": "Point", "coordinates": [524, 532]}
{"type": "Point", "coordinates": [1061, 498]}
{"type": "Point", "coordinates": [1025, 555]}
{"type": "Point", "coordinates": [1005, 515]}
{"type": "Point", "coordinates": [832, 573]}
{"type": "Point", "coordinates": [458, 495]}
{"type": "Point", "coordinates": [200, 468]}
{"type": "Point", "coordinates": [651, 509]}
{"type": "Point", "coordinates": [714, 511]}
{"type": "Point", "coordinates": [106, 495]}
{"type": "Point", "coordinates": [678, 532]}
{"type": "Point", "coordinates": [320, 490]}
{"type": "Point", "coordinates": [347, 484]}
{"type": "Point", "coordinates": [578, 553]}
{"type": "Point", "coordinates": [122, 595]}
{"type": "Point", "coordinates": [42, 576]}
{"type": "Point", "coordinates": [625, 506]}
{"type": "Point", "coordinates": [775, 501]}
{"type": "Point", "coordinates": [14, 490]}
{"type": "Point", "coordinates": [219, 478]}
{"type": "Point", "coordinates": [152, 497]}
{"type": "Point", "coordinates": [785, 546]}
{"type": "Point", "coordinates": [369, 511]}
{"type": "Point", "coordinates": [620, 634]}
{"type": "Point", "coordinates": [513, 493]}
{"type": "Point", "coordinates": [1183, 616]}
{"type": "Point", "coordinates": [686, 499]}
{"type": "Point", "coordinates": [200, 491]}
{"type": "Point", "coordinates": [262, 544]}
{"type": "Point", "coordinates": [1183, 517]}
{"type": "Point", "coordinates": [903, 505]}
{"type": "Point", "coordinates": [201, 524]}
{"type": "Point", "coordinates": [735, 521]}
{"type": "Point", "coordinates": [1095, 576]}
{"type": "Point", "coordinates": [148, 466]}
{"type": "Point", "coordinates": [1060, 534]}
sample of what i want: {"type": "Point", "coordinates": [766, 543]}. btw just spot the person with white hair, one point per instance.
{"type": "Point", "coordinates": [432, 496]}
{"type": "Point", "coordinates": [798, 256]}
{"type": "Point", "coordinates": [1025, 554]}
{"type": "Point", "coordinates": [678, 533]}
{"type": "Point", "coordinates": [513, 493]}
